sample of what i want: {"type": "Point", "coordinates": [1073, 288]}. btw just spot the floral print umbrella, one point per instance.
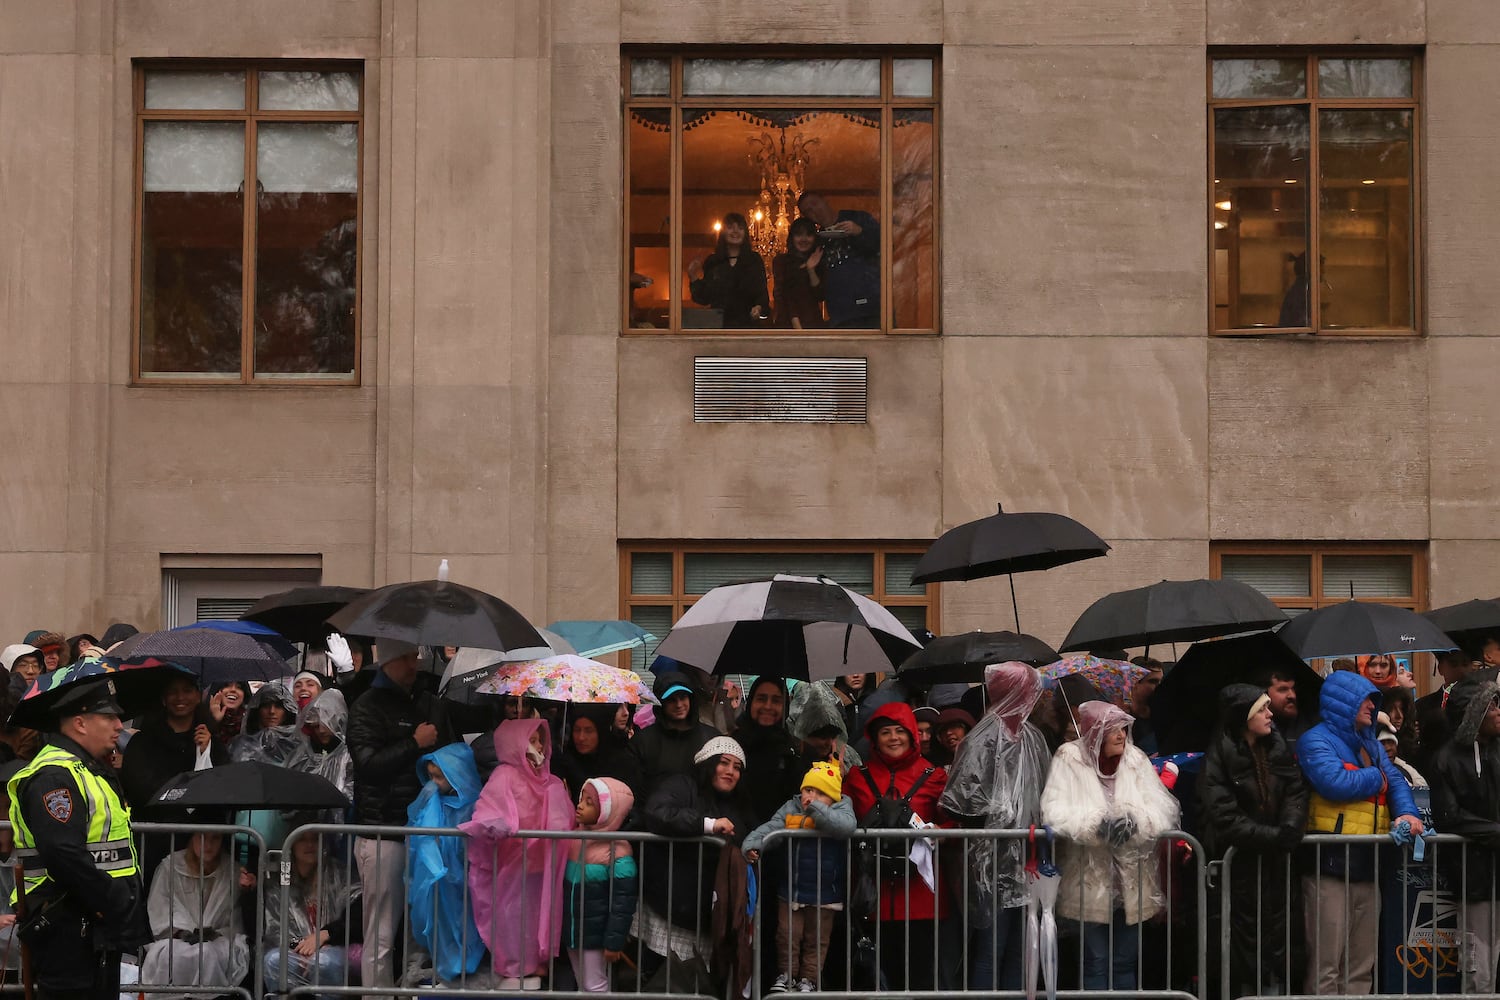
{"type": "Point", "coordinates": [1114, 679]}
{"type": "Point", "coordinates": [568, 678]}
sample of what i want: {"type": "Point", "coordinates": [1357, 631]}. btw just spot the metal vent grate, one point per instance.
{"type": "Point", "coordinates": [783, 390]}
{"type": "Point", "coordinates": [224, 609]}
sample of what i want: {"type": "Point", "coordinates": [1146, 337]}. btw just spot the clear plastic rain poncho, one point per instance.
{"type": "Point", "coordinates": [812, 707]}
{"type": "Point", "coordinates": [283, 745]}
{"type": "Point", "coordinates": [331, 760]}
{"type": "Point", "coordinates": [997, 777]}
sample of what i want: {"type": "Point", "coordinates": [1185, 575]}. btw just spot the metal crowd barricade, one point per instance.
{"type": "Point", "coordinates": [952, 943]}
{"type": "Point", "coordinates": [1355, 915]}
{"type": "Point", "coordinates": [655, 858]}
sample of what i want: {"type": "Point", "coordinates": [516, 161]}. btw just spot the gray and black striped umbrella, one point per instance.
{"type": "Point", "coordinates": [808, 628]}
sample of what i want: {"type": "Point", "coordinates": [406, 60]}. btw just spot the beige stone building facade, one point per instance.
{"type": "Point", "coordinates": [502, 414]}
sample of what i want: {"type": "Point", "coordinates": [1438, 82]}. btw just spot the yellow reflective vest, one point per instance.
{"type": "Point", "coordinates": [109, 839]}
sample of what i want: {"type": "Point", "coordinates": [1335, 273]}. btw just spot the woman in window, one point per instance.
{"type": "Point", "coordinates": [733, 278]}
{"type": "Point", "coordinates": [799, 279]}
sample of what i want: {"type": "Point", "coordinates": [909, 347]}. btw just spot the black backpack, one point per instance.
{"type": "Point", "coordinates": [891, 811]}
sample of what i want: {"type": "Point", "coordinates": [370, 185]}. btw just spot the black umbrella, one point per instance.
{"type": "Point", "coordinates": [1171, 611]}
{"type": "Point", "coordinates": [437, 613]}
{"type": "Point", "coordinates": [214, 655]}
{"type": "Point", "coordinates": [300, 613]}
{"type": "Point", "coordinates": [808, 628]}
{"type": "Point", "coordinates": [961, 659]}
{"type": "Point", "coordinates": [1468, 623]}
{"type": "Point", "coordinates": [1007, 544]}
{"type": "Point", "coordinates": [1360, 628]}
{"type": "Point", "coordinates": [251, 784]}
{"type": "Point", "coordinates": [137, 688]}
{"type": "Point", "coordinates": [1185, 707]}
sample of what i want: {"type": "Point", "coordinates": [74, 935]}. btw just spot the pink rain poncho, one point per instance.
{"type": "Point", "coordinates": [515, 884]}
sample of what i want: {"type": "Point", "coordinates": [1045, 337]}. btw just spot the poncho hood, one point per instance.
{"type": "Point", "coordinates": [1096, 720]}
{"type": "Point", "coordinates": [1013, 688]}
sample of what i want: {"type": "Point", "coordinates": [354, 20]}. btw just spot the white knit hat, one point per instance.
{"type": "Point", "coordinates": [718, 747]}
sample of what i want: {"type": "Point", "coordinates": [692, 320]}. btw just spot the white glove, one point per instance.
{"type": "Point", "coordinates": [338, 653]}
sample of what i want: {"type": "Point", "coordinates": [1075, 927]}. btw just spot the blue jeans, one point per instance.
{"type": "Point", "coordinates": [328, 966]}
{"type": "Point", "coordinates": [1106, 968]}
{"type": "Point", "coordinates": [998, 948]}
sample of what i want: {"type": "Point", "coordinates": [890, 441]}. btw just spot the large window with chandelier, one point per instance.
{"type": "Point", "coordinates": [794, 191]}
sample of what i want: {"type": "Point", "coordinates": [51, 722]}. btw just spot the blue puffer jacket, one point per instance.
{"type": "Point", "coordinates": [1325, 749]}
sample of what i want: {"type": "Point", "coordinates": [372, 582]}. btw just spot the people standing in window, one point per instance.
{"type": "Point", "coordinates": [851, 252]}
{"type": "Point", "coordinates": [800, 279]}
{"type": "Point", "coordinates": [733, 278]}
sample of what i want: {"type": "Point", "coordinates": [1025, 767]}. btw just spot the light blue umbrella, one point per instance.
{"type": "Point", "coordinates": [596, 638]}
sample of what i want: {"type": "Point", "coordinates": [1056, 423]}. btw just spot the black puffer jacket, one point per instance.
{"type": "Point", "coordinates": [662, 751]}
{"type": "Point", "coordinates": [1466, 786]}
{"type": "Point", "coordinates": [678, 878]}
{"type": "Point", "coordinates": [1234, 809]}
{"type": "Point", "coordinates": [385, 752]}
{"type": "Point", "coordinates": [773, 767]}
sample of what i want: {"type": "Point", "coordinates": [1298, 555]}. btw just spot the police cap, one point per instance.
{"type": "Point", "coordinates": [96, 696]}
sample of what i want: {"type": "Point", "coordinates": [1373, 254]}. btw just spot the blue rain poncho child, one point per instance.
{"type": "Point", "coordinates": [442, 920]}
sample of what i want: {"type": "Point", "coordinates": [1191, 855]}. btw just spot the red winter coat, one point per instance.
{"type": "Point", "coordinates": [896, 902]}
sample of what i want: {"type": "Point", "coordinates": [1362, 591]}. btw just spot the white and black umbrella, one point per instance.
{"type": "Point", "coordinates": [471, 666]}
{"type": "Point", "coordinates": [808, 628]}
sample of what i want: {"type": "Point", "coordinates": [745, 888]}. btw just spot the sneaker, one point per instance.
{"type": "Point", "coordinates": [782, 984]}
{"type": "Point", "coordinates": [806, 986]}
{"type": "Point", "coordinates": [510, 983]}
{"type": "Point", "coordinates": [531, 983]}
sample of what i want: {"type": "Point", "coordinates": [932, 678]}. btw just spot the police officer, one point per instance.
{"type": "Point", "coordinates": [72, 830]}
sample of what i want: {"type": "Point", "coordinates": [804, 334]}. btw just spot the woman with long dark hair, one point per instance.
{"type": "Point", "coordinates": [799, 275]}
{"type": "Point", "coordinates": [733, 278]}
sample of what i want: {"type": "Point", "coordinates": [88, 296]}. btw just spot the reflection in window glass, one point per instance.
{"type": "Point", "coordinates": [196, 90]}
{"type": "Point", "coordinates": [1248, 78]}
{"type": "Point", "coordinates": [305, 275]}
{"type": "Point", "coordinates": [1365, 218]}
{"type": "Point", "coordinates": [650, 287]}
{"type": "Point", "coordinates": [1260, 217]}
{"type": "Point", "coordinates": [1364, 78]}
{"type": "Point", "coordinates": [836, 153]}
{"type": "Point", "coordinates": [913, 276]}
{"type": "Point", "coordinates": [781, 78]}
{"type": "Point", "coordinates": [650, 78]}
{"type": "Point", "coordinates": [192, 240]}
{"type": "Point", "coordinates": [308, 91]}
{"type": "Point", "coordinates": [912, 77]}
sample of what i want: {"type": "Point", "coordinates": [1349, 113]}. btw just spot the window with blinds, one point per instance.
{"type": "Point", "coordinates": [659, 583]}
{"type": "Point", "coordinates": [1303, 577]}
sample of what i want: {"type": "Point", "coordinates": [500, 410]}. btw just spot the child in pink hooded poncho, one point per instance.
{"type": "Point", "coordinates": [515, 884]}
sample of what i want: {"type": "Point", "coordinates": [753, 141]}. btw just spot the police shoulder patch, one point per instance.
{"type": "Point", "coordinates": [59, 803]}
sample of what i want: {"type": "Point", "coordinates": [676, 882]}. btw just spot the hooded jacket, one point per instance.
{"type": "Point", "coordinates": [1244, 805]}
{"type": "Point", "coordinates": [440, 919]}
{"type": "Point", "coordinates": [1354, 788]}
{"type": "Point", "coordinates": [1096, 876]}
{"type": "Point", "coordinates": [897, 901]}
{"type": "Point", "coordinates": [996, 780]}
{"type": "Point", "coordinates": [1466, 786]}
{"type": "Point", "coordinates": [612, 759]}
{"type": "Point", "coordinates": [600, 884]}
{"type": "Point", "coordinates": [282, 745]}
{"type": "Point", "coordinates": [663, 751]}
{"type": "Point", "coordinates": [773, 769]}
{"type": "Point", "coordinates": [517, 882]}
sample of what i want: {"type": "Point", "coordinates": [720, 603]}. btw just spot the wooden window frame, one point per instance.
{"type": "Point", "coordinates": [680, 600]}
{"type": "Point", "coordinates": [249, 116]}
{"type": "Point", "coordinates": [1316, 552]}
{"type": "Point", "coordinates": [887, 102]}
{"type": "Point", "coordinates": [1314, 102]}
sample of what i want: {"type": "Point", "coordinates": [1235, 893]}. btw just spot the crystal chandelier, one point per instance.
{"type": "Point", "coordinates": [783, 165]}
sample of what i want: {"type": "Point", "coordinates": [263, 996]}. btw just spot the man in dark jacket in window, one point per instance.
{"type": "Point", "coordinates": [1466, 801]}
{"type": "Point", "coordinates": [390, 728]}
{"type": "Point", "coordinates": [667, 746]}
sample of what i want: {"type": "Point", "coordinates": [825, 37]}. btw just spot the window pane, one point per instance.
{"type": "Point", "coordinates": [1364, 77]}
{"type": "Point", "coordinates": [303, 90]}
{"type": "Point", "coordinates": [915, 619]}
{"type": "Point", "coordinates": [657, 621]}
{"type": "Point", "coordinates": [1272, 575]}
{"type": "Point", "coordinates": [1365, 218]}
{"type": "Point", "coordinates": [781, 77]}
{"type": "Point", "coordinates": [835, 154]}
{"type": "Point", "coordinates": [898, 570]}
{"type": "Point", "coordinates": [912, 77]}
{"type": "Point", "coordinates": [650, 77]}
{"type": "Point", "coordinates": [1260, 217]}
{"type": "Point", "coordinates": [192, 235]}
{"type": "Point", "coordinates": [913, 261]}
{"type": "Point", "coordinates": [306, 248]}
{"type": "Point", "coordinates": [651, 573]}
{"type": "Point", "coordinates": [1242, 78]}
{"type": "Point", "coordinates": [1367, 576]}
{"type": "Point", "coordinates": [214, 90]}
{"type": "Point", "coordinates": [650, 138]}
{"type": "Point", "coordinates": [703, 571]}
